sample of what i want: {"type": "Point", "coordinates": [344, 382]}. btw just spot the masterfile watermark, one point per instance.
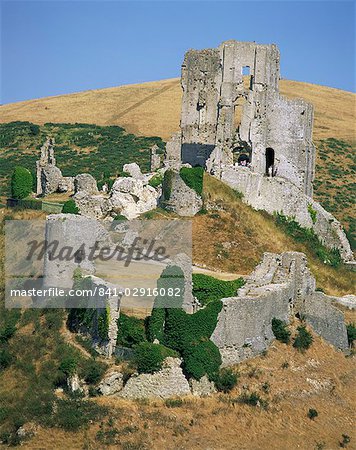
{"type": "Point", "coordinates": [135, 252]}
{"type": "Point", "coordinates": [71, 261]}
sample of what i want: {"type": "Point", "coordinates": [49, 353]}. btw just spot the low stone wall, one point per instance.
{"type": "Point", "coordinates": [168, 382]}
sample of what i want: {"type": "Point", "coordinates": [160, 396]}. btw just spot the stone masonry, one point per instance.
{"type": "Point", "coordinates": [49, 176]}
{"type": "Point", "coordinates": [281, 286]}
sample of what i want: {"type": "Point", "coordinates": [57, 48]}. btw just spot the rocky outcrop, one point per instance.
{"type": "Point", "coordinates": [66, 184]}
{"type": "Point", "coordinates": [92, 206]}
{"type": "Point", "coordinates": [203, 387]}
{"type": "Point", "coordinates": [75, 384]}
{"type": "Point", "coordinates": [183, 200]}
{"type": "Point", "coordinates": [112, 383]}
{"type": "Point", "coordinates": [85, 182]}
{"type": "Point", "coordinates": [168, 382]}
{"type": "Point", "coordinates": [133, 169]}
{"type": "Point", "coordinates": [130, 197]}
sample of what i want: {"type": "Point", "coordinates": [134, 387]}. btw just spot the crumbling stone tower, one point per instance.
{"type": "Point", "coordinates": [273, 131]}
{"type": "Point", "coordinates": [49, 176]}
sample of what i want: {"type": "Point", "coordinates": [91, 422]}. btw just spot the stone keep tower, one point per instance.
{"type": "Point", "coordinates": [241, 130]}
{"type": "Point", "coordinates": [274, 131]}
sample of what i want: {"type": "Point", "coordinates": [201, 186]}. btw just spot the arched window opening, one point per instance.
{"type": "Point", "coordinates": [242, 155]}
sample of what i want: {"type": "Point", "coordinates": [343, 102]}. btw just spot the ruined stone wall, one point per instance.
{"type": "Point", "coordinates": [49, 176]}
{"type": "Point", "coordinates": [280, 286]}
{"type": "Point", "coordinates": [183, 200]}
{"type": "Point", "coordinates": [102, 288]}
{"type": "Point", "coordinates": [201, 81]}
{"type": "Point", "coordinates": [319, 311]}
{"type": "Point", "coordinates": [70, 231]}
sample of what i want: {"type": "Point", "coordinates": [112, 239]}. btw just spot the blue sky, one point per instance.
{"type": "Point", "coordinates": [58, 47]}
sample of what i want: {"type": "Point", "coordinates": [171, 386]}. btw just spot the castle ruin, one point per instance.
{"type": "Point", "coordinates": [236, 124]}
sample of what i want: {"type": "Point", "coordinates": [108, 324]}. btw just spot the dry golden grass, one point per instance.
{"type": "Point", "coordinates": [153, 109]}
{"type": "Point", "coordinates": [321, 378]}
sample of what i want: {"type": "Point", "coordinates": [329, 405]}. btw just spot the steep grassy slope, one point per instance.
{"type": "Point", "coordinates": [334, 184]}
{"type": "Point", "coordinates": [153, 109]}
{"type": "Point", "coordinates": [234, 238]}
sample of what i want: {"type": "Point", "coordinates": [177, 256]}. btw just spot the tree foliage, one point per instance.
{"type": "Point", "coordinates": [21, 183]}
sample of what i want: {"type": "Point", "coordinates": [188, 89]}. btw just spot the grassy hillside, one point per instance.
{"type": "Point", "coordinates": [101, 151]}
{"type": "Point", "coordinates": [37, 352]}
{"type": "Point", "coordinates": [40, 352]}
{"type": "Point", "coordinates": [153, 109]}
{"type": "Point", "coordinates": [238, 236]}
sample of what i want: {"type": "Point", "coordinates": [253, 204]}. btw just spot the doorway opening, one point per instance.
{"type": "Point", "coordinates": [270, 162]}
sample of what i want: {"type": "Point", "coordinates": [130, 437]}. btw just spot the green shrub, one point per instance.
{"type": "Point", "coordinates": [6, 358]}
{"type": "Point", "coordinates": [155, 323]}
{"type": "Point", "coordinates": [193, 178]}
{"type": "Point", "coordinates": [312, 413]}
{"type": "Point", "coordinates": [8, 323]}
{"type": "Point", "coordinates": [156, 180]}
{"type": "Point", "coordinates": [345, 440]}
{"type": "Point", "coordinates": [174, 402]}
{"type": "Point", "coordinates": [167, 184]}
{"type": "Point", "coordinates": [303, 340]}
{"type": "Point", "coordinates": [206, 288]}
{"type": "Point", "coordinates": [103, 324]}
{"type": "Point", "coordinates": [312, 212]}
{"type": "Point", "coordinates": [280, 331]}
{"type": "Point", "coordinates": [7, 332]}
{"type": "Point", "coordinates": [225, 380]}
{"type": "Point", "coordinates": [68, 365]}
{"type": "Point", "coordinates": [202, 358]}
{"type": "Point", "coordinates": [149, 357]}
{"type": "Point", "coordinates": [351, 333]}
{"type": "Point", "coordinates": [120, 217]}
{"type": "Point", "coordinates": [307, 236]}
{"type": "Point", "coordinates": [92, 371]}
{"type": "Point", "coordinates": [70, 207]}
{"type": "Point", "coordinates": [131, 330]}
{"type": "Point", "coordinates": [185, 333]}
{"type": "Point", "coordinates": [172, 277]}
{"type": "Point", "coordinates": [21, 183]}
{"type": "Point", "coordinates": [252, 399]}
{"type": "Point", "coordinates": [182, 330]}
{"type": "Point", "coordinates": [74, 414]}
